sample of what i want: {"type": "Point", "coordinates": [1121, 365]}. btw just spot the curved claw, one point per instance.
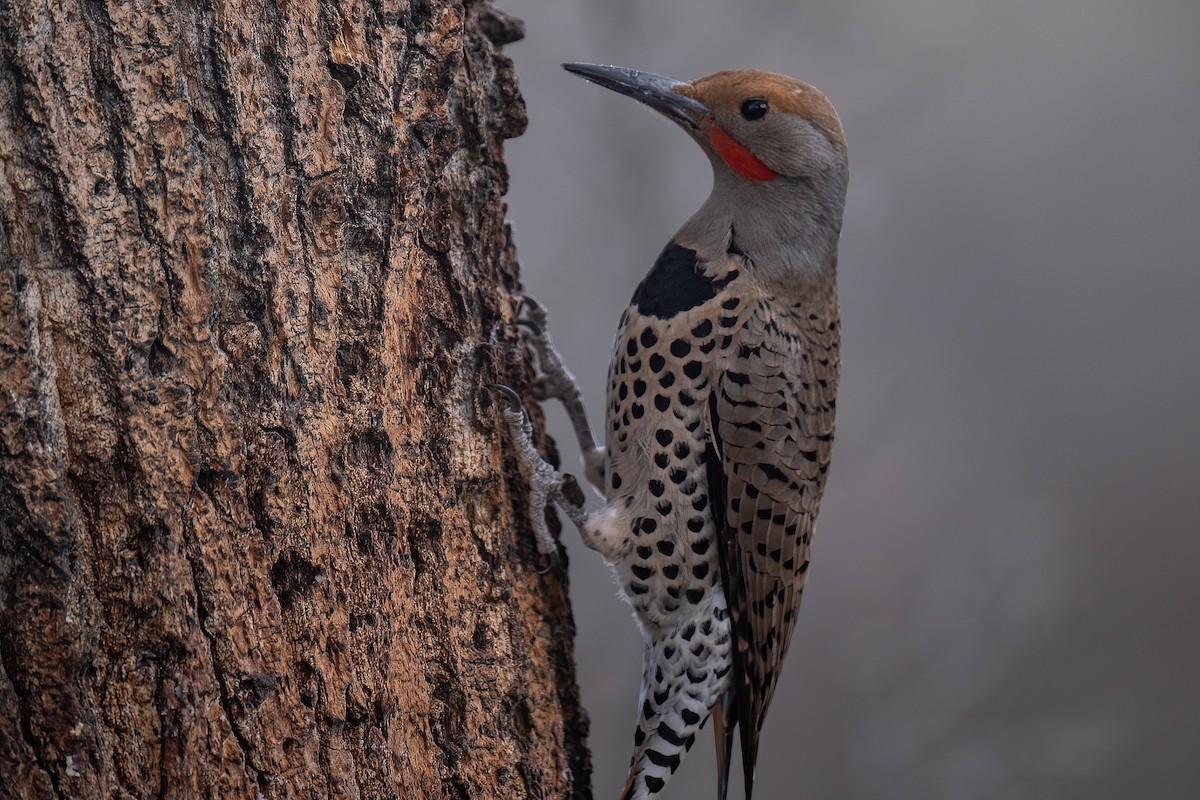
{"type": "Point", "coordinates": [531, 325]}
{"type": "Point", "coordinates": [536, 314]}
{"type": "Point", "coordinates": [528, 302]}
{"type": "Point", "coordinates": [507, 395]}
{"type": "Point", "coordinates": [551, 565]}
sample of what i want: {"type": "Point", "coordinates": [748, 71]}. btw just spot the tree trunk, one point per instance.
{"type": "Point", "coordinates": [261, 533]}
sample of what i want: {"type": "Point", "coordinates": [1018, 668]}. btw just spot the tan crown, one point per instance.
{"type": "Point", "coordinates": [729, 88]}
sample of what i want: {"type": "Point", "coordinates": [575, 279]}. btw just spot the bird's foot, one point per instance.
{"type": "Point", "coordinates": [556, 380]}
{"type": "Point", "coordinates": [546, 484]}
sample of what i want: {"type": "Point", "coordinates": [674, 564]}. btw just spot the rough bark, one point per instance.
{"type": "Point", "coordinates": [261, 534]}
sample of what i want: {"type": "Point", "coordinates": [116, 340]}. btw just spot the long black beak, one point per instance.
{"type": "Point", "coordinates": [656, 91]}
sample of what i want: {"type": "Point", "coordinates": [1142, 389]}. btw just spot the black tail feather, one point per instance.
{"type": "Point", "coordinates": [749, 753]}
{"type": "Point", "coordinates": [723, 725]}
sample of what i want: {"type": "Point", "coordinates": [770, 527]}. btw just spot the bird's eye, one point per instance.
{"type": "Point", "coordinates": [755, 108]}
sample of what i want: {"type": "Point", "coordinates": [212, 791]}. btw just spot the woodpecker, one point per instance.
{"type": "Point", "coordinates": [720, 413]}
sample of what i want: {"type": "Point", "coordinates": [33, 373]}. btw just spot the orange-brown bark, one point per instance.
{"type": "Point", "coordinates": [259, 533]}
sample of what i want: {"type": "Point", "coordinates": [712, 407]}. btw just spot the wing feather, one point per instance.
{"type": "Point", "coordinates": [770, 425]}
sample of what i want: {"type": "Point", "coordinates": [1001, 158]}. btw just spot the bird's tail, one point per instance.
{"type": "Point", "coordinates": [724, 722]}
{"type": "Point", "coordinates": [686, 671]}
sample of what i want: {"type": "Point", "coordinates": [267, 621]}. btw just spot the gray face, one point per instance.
{"type": "Point", "coordinates": [788, 144]}
{"type": "Point", "coordinates": [788, 226]}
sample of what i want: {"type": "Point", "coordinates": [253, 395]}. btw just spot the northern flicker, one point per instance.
{"type": "Point", "coordinates": [720, 413]}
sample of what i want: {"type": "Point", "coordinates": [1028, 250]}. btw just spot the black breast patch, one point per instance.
{"type": "Point", "coordinates": [675, 284]}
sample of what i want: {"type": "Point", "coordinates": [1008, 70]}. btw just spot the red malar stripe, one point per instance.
{"type": "Point", "coordinates": [740, 160]}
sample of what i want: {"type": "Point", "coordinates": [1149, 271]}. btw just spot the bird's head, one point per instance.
{"type": "Point", "coordinates": [761, 125]}
{"type": "Point", "coordinates": [776, 145]}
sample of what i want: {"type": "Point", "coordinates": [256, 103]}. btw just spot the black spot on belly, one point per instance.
{"type": "Point", "coordinates": [671, 762]}
{"type": "Point", "coordinates": [675, 284]}
{"type": "Point", "coordinates": [668, 735]}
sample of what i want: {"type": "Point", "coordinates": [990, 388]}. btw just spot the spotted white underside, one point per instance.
{"type": "Point", "coordinates": [747, 378]}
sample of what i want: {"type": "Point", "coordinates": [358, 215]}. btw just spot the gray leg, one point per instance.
{"type": "Point", "coordinates": [546, 484]}
{"type": "Point", "coordinates": [557, 381]}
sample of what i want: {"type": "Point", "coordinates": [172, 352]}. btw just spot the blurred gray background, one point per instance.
{"type": "Point", "coordinates": [1005, 598]}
